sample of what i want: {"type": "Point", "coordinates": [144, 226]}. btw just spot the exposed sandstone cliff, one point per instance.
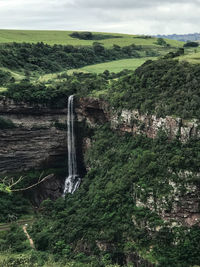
{"type": "Point", "coordinates": [35, 141]}
{"type": "Point", "coordinates": [184, 204]}
{"type": "Point", "coordinates": [95, 111]}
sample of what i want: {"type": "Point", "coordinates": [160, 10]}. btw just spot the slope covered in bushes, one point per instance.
{"type": "Point", "coordinates": [162, 87]}
{"type": "Point", "coordinates": [46, 58]}
{"type": "Point", "coordinates": [104, 209]}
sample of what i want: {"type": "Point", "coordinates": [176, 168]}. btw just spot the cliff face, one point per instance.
{"type": "Point", "coordinates": [97, 112]}
{"type": "Point", "coordinates": [34, 141]}
{"type": "Point", "coordinates": [184, 204]}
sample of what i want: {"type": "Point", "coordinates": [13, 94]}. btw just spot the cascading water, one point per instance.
{"type": "Point", "coordinates": [73, 180]}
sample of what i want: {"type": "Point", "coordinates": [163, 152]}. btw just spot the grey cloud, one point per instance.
{"type": "Point", "coordinates": [125, 16]}
{"type": "Point", "coordinates": [125, 4]}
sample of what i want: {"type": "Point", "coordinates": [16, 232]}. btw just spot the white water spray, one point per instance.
{"type": "Point", "coordinates": [73, 180]}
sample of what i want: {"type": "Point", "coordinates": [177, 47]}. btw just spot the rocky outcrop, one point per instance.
{"type": "Point", "coordinates": [92, 111]}
{"type": "Point", "coordinates": [180, 207]}
{"type": "Point", "coordinates": [22, 149]}
{"type": "Point", "coordinates": [184, 206]}
{"type": "Point", "coordinates": [51, 188]}
{"type": "Point", "coordinates": [150, 125]}
{"type": "Point", "coordinates": [34, 142]}
{"type": "Point", "coordinates": [96, 111]}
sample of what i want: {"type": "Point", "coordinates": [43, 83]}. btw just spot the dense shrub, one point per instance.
{"type": "Point", "coordinates": [17, 204]}
{"type": "Point", "coordinates": [162, 87]}
{"type": "Point", "coordinates": [92, 36]}
{"type": "Point", "coordinates": [56, 94]}
{"type": "Point", "coordinates": [46, 58]}
{"type": "Point", "coordinates": [5, 77]}
{"type": "Point", "coordinates": [13, 240]}
{"type": "Point", "coordinates": [122, 168]}
{"type": "Point", "coordinates": [191, 44]}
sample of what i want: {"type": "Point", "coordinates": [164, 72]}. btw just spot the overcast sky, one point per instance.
{"type": "Point", "coordinates": [124, 16]}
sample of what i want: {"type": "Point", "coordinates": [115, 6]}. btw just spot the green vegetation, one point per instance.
{"type": "Point", "coordinates": [44, 58]}
{"type": "Point", "coordinates": [64, 38]}
{"type": "Point", "coordinates": [191, 44]}
{"type": "Point", "coordinates": [162, 42]}
{"type": "Point", "coordinates": [33, 258]}
{"type": "Point", "coordinates": [17, 204]}
{"type": "Point", "coordinates": [56, 93]}
{"type": "Point", "coordinates": [123, 169]}
{"type": "Point", "coordinates": [91, 36]}
{"type": "Point", "coordinates": [193, 57]}
{"type": "Point", "coordinates": [163, 87]}
{"type": "Point", "coordinates": [45, 67]}
{"type": "Point", "coordinates": [114, 66]}
{"type": "Point", "coordinates": [5, 77]}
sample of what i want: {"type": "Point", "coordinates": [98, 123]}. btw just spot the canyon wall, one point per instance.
{"type": "Point", "coordinates": [34, 141]}
{"type": "Point", "coordinates": [95, 111]}
{"type": "Point", "coordinates": [185, 204]}
{"type": "Point", "coordinates": [37, 142]}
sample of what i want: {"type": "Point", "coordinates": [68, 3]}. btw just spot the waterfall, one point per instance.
{"type": "Point", "coordinates": [73, 180]}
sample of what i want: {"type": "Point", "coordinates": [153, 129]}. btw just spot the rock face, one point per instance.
{"type": "Point", "coordinates": [180, 207]}
{"type": "Point", "coordinates": [184, 207]}
{"type": "Point", "coordinates": [35, 141]}
{"type": "Point", "coordinates": [51, 188]}
{"type": "Point", "coordinates": [95, 112]}
{"type": "Point", "coordinates": [92, 111]}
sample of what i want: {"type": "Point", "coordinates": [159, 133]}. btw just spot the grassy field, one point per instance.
{"type": "Point", "coordinates": [112, 66]}
{"type": "Point", "coordinates": [115, 66]}
{"type": "Point", "coordinates": [193, 58]}
{"type": "Point", "coordinates": [62, 37]}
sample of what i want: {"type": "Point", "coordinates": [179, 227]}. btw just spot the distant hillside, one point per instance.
{"type": "Point", "coordinates": [65, 38]}
{"type": "Point", "coordinates": [182, 37]}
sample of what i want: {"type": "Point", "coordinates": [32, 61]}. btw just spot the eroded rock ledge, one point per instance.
{"type": "Point", "coordinates": [184, 207]}
{"type": "Point", "coordinates": [34, 141]}
{"type": "Point", "coordinates": [96, 111]}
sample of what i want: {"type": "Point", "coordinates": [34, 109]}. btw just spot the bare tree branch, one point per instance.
{"type": "Point", "coordinates": [31, 186]}
{"type": "Point", "coordinates": [14, 183]}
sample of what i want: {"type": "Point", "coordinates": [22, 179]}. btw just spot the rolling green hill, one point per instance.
{"type": "Point", "coordinates": [114, 66]}
{"type": "Point", "coordinates": [63, 37]}
{"type": "Point", "coordinates": [193, 58]}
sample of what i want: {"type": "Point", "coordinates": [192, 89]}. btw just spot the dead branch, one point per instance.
{"type": "Point", "coordinates": [31, 186]}
{"type": "Point", "coordinates": [14, 183]}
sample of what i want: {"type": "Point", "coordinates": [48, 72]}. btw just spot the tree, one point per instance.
{"type": "Point", "coordinates": [191, 44]}
{"type": "Point", "coordinates": [161, 41]}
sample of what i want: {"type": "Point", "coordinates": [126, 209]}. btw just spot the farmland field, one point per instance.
{"type": "Point", "coordinates": [193, 58]}
{"type": "Point", "coordinates": [115, 66]}
{"type": "Point", "coordinates": [62, 37]}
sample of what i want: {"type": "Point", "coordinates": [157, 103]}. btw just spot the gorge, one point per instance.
{"type": "Point", "coordinates": [101, 162]}
{"type": "Point", "coordinates": [39, 137]}
{"type": "Point", "coordinates": [35, 127]}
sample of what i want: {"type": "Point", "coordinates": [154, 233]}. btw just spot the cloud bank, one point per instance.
{"type": "Point", "coordinates": [127, 16]}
